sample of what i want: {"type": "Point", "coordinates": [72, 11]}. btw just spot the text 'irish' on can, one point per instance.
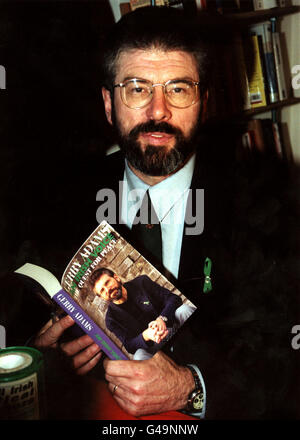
{"type": "Point", "coordinates": [22, 386]}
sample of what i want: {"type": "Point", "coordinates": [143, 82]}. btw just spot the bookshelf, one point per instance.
{"type": "Point", "coordinates": [275, 106]}
{"type": "Point", "coordinates": [287, 110]}
{"type": "Point", "coordinates": [284, 111]}
{"type": "Point", "coordinates": [255, 16]}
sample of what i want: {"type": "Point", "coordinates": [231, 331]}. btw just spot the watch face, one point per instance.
{"type": "Point", "coordinates": [198, 401]}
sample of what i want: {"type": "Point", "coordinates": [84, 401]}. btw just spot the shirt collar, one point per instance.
{"type": "Point", "coordinates": [165, 193]}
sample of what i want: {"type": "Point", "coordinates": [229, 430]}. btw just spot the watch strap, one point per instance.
{"type": "Point", "coordinates": [198, 394]}
{"type": "Point", "coordinates": [197, 381]}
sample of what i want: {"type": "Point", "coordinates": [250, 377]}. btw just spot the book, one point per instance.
{"type": "Point", "coordinates": [286, 3]}
{"type": "Point", "coordinates": [125, 8]}
{"type": "Point", "coordinates": [201, 4]}
{"type": "Point", "coordinates": [264, 30]}
{"type": "Point", "coordinates": [264, 4]}
{"type": "Point", "coordinates": [237, 84]}
{"type": "Point", "coordinates": [263, 136]}
{"type": "Point", "coordinates": [278, 140]}
{"type": "Point", "coordinates": [255, 71]}
{"type": "Point", "coordinates": [244, 88]}
{"type": "Point", "coordinates": [256, 139]}
{"type": "Point", "coordinates": [134, 4]}
{"type": "Point", "coordinates": [282, 85]}
{"type": "Point", "coordinates": [109, 289]}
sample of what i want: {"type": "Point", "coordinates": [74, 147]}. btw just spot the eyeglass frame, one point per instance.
{"type": "Point", "coordinates": [123, 84]}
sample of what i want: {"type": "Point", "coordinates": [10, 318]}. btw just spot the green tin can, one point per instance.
{"type": "Point", "coordinates": [22, 389]}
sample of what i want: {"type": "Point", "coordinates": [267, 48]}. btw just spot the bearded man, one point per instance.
{"type": "Point", "coordinates": [232, 359]}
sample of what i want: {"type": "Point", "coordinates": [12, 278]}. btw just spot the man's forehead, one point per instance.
{"type": "Point", "coordinates": [104, 277]}
{"type": "Point", "coordinates": [154, 62]}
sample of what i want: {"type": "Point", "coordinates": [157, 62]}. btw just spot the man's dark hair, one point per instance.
{"type": "Point", "coordinates": [164, 28]}
{"type": "Point", "coordinates": [98, 273]}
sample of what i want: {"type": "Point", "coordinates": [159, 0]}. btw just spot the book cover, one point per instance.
{"type": "Point", "coordinates": [268, 131]}
{"type": "Point", "coordinates": [115, 295]}
{"type": "Point", "coordinates": [264, 4]}
{"type": "Point", "coordinates": [245, 98]}
{"type": "Point", "coordinates": [255, 72]}
{"type": "Point", "coordinates": [256, 134]}
{"type": "Point", "coordinates": [134, 4]}
{"type": "Point", "coordinates": [277, 139]}
{"type": "Point", "coordinates": [264, 30]}
{"type": "Point", "coordinates": [282, 85]}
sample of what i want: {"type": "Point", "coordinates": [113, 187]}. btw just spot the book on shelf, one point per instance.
{"type": "Point", "coordinates": [264, 30]}
{"type": "Point", "coordinates": [278, 58]}
{"type": "Point", "coordinates": [259, 5]}
{"type": "Point", "coordinates": [287, 3]}
{"type": "Point", "coordinates": [201, 4]}
{"type": "Point", "coordinates": [243, 85]}
{"type": "Point", "coordinates": [264, 136]}
{"type": "Point", "coordinates": [125, 8]}
{"type": "Point", "coordinates": [114, 295]}
{"type": "Point", "coordinates": [256, 135]}
{"type": "Point", "coordinates": [278, 139]}
{"type": "Point", "coordinates": [134, 4]}
{"type": "Point", "coordinates": [255, 71]}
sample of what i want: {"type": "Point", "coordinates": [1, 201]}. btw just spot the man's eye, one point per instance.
{"type": "Point", "coordinates": [138, 90]}
{"type": "Point", "coordinates": [178, 90]}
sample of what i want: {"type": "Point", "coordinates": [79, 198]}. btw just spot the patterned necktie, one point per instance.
{"type": "Point", "coordinates": [146, 228]}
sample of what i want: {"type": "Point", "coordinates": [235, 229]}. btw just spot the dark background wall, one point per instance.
{"type": "Point", "coordinates": [53, 131]}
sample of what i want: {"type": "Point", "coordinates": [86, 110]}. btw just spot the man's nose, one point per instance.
{"type": "Point", "coordinates": [158, 109]}
{"type": "Point", "coordinates": [106, 291]}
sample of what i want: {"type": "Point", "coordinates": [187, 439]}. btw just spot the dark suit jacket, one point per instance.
{"type": "Point", "coordinates": [146, 300]}
{"type": "Point", "coordinates": [240, 336]}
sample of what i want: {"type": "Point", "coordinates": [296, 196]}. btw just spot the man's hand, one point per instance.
{"type": "Point", "coordinates": [152, 334]}
{"type": "Point", "coordinates": [83, 352]}
{"type": "Point", "coordinates": [157, 330]}
{"type": "Point", "coordinates": [151, 386]}
{"type": "Point", "coordinates": [159, 324]}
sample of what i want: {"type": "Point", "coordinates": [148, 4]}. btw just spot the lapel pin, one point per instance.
{"type": "Point", "coordinates": [207, 287]}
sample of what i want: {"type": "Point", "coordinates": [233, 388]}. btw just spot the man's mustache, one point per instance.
{"type": "Point", "coordinates": [151, 126]}
{"type": "Point", "coordinates": [116, 291]}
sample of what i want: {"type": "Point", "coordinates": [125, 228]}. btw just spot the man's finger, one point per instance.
{"type": "Point", "coordinates": [123, 368]}
{"type": "Point", "coordinates": [53, 333]}
{"type": "Point", "coordinates": [90, 364]}
{"type": "Point", "coordinates": [71, 348]}
{"type": "Point", "coordinates": [85, 356]}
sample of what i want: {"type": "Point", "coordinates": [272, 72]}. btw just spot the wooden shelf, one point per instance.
{"type": "Point", "coordinates": [276, 105]}
{"type": "Point", "coordinates": [266, 14]}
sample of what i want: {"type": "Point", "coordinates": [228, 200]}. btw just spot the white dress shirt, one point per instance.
{"type": "Point", "coordinates": [169, 198]}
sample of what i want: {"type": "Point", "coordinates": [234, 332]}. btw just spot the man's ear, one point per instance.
{"type": "Point", "coordinates": [107, 103]}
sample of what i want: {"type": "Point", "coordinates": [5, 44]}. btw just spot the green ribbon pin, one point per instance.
{"type": "Point", "coordinates": [207, 270]}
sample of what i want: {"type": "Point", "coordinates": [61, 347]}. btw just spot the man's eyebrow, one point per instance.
{"type": "Point", "coordinates": [185, 78]}
{"type": "Point", "coordinates": [128, 78]}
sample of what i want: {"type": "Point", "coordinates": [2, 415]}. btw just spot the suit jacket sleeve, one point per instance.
{"type": "Point", "coordinates": [240, 336]}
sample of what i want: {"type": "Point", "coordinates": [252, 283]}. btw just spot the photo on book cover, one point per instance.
{"type": "Point", "coordinates": [127, 297]}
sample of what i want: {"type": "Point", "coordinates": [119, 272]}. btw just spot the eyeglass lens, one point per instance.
{"type": "Point", "coordinates": [137, 94]}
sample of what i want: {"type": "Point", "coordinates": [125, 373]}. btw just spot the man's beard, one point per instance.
{"type": "Point", "coordinates": [117, 293]}
{"type": "Point", "coordinates": [157, 160]}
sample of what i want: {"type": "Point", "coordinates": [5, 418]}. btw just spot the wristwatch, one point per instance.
{"type": "Point", "coordinates": [195, 401]}
{"type": "Point", "coordinates": [163, 318]}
